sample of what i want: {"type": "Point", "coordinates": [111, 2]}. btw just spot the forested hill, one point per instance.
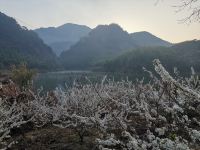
{"type": "Point", "coordinates": [17, 44]}
{"type": "Point", "coordinates": [103, 42]}
{"type": "Point", "coordinates": [182, 55]}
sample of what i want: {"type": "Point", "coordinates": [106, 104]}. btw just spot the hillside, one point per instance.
{"type": "Point", "coordinates": [103, 42]}
{"type": "Point", "coordinates": [146, 39]}
{"type": "Point", "coordinates": [182, 55]}
{"type": "Point", "coordinates": [62, 37]}
{"type": "Point", "coordinates": [17, 44]}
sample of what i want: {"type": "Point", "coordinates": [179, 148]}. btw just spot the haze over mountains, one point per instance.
{"type": "Point", "coordinates": [62, 37]}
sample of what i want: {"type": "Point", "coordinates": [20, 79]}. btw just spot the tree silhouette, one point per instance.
{"type": "Point", "coordinates": [192, 7]}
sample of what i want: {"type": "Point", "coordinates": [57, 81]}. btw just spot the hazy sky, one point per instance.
{"type": "Point", "coordinates": [132, 15]}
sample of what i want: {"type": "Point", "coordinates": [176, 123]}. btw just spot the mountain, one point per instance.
{"type": "Point", "coordinates": [103, 42]}
{"type": "Point", "coordinates": [62, 37]}
{"type": "Point", "coordinates": [182, 55]}
{"type": "Point", "coordinates": [146, 39]}
{"type": "Point", "coordinates": [17, 44]}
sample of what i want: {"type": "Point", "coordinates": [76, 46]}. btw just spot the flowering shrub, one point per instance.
{"type": "Point", "coordinates": [11, 116]}
{"type": "Point", "coordinates": [161, 114]}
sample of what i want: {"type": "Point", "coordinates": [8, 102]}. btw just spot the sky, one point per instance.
{"type": "Point", "coordinates": [132, 15]}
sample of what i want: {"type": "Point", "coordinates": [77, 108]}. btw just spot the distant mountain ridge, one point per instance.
{"type": "Point", "coordinates": [62, 37]}
{"type": "Point", "coordinates": [17, 44]}
{"type": "Point", "coordinates": [105, 42]}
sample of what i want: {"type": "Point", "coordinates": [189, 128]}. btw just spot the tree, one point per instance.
{"type": "Point", "coordinates": [11, 116]}
{"type": "Point", "coordinates": [22, 75]}
{"type": "Point", "coordinates": [192, 7]}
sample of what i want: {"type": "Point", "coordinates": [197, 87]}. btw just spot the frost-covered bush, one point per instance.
{"type": "Point", "coordinates": [161, 114]}
{"type": "Point", "coordinates": [11, 116]}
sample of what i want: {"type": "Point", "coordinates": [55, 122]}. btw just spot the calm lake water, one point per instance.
{"type": "Point", "coordinates": [51, 80]}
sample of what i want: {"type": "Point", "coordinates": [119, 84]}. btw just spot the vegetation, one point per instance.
{"type": "Point", "coordinates": [163, 114]}
{"type": "Point", "coordinates": [22, 75]}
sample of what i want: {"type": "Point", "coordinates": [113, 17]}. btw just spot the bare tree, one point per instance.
{"type": "Point", "coordinates": [192, 7]}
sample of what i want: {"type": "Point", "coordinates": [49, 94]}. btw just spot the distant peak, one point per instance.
{"type": "Point", "coordinates": [142, 33]}
{"type": "Point", "coordinates": [113, 26]}
{"type": "Point", "coordinates": [45, 28]}
{"type": "Point", "coordinates": [72, 25]}
{"type": "Point", "coordinates": [67, 24]}
{"type": "Point", "coordinates": [144, 38]}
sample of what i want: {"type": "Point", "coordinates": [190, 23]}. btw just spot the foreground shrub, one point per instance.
{"type": "Point", "coordinates": [22, 75]}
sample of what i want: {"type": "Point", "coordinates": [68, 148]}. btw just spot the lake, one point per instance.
{"type": "Point", "coordinates": [51, 80]}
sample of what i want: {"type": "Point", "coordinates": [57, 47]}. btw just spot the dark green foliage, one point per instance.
{"type": "Point", "coordinates": [17, 44]}
{"type": "Point", "coordinates": [182, 55]}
